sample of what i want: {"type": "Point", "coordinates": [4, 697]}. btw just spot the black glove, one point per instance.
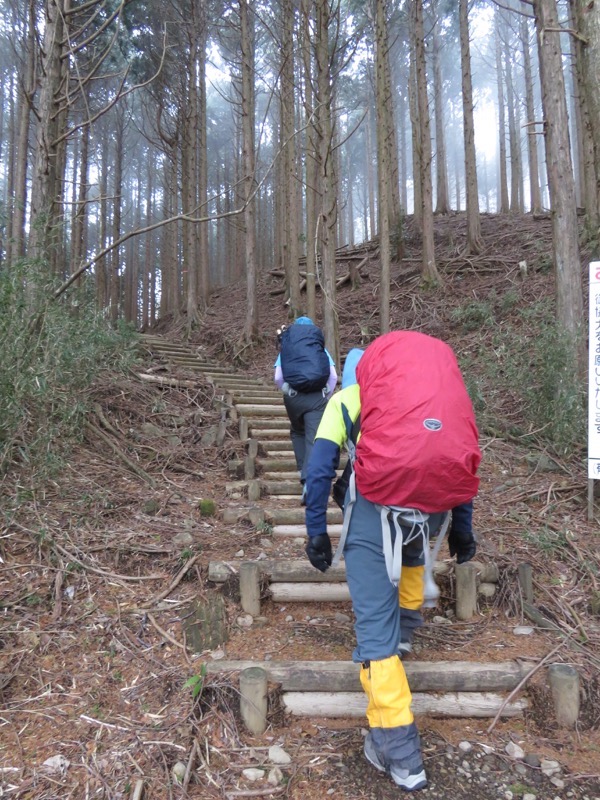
{"type": "Point", "coordinates": [318, 551]}
{"type": "Point", "coordinates": [463, 545]}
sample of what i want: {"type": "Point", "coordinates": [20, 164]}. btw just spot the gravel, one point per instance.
{"type": "Point", "coordinates": [470, 772]}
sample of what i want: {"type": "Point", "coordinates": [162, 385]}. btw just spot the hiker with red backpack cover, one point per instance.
{"type": "Point", "coordinates": [415, 457]}
{"type": "Point", "coordinates": [306, 374]}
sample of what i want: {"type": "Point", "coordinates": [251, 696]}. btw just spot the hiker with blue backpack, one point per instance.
{"type": "Point", "coordinates": [306, 374]}
{"type": "Point", "coordinates": [408, 423]}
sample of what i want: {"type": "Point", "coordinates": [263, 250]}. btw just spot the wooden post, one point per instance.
{"type": "Point", "coordinates": [526, 582]}
{"type": "Point", "coordinates": [590, 508]}
{"type": "Point", "coordinates": [249, 468]}
{"type": "Point", "coordinates": [243, 428]}
{"type": "Point", "coordinates": [254, 489]}
{"type": "Point", "coordinates": [250, 587]}
{"type": "Point", "coordinates": [466, 590]}
{"type": "Point", "coordinates": [256, 515]}
{"type": "Point", "coordinates": [564, 683]}
{"type": "Point", "coordinates": [253, 699]}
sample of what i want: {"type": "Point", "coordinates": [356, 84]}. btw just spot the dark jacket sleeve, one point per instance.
{"type": "Point", "coordinates": [462, 518]}
{"type": "Point", "coordinates": [324, 460]}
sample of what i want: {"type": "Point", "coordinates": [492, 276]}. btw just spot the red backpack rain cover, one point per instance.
{"type": "Point", "coordinates": [418, 446]}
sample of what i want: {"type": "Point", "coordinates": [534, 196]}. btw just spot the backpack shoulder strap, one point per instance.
{"type": "Point", "coordinates": [352, 431]}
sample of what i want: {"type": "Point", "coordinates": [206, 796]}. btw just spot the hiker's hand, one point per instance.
{"type": "Point", "coordinates": [463, 545]}
{"type": "Point", "coordinates": [318, 551]}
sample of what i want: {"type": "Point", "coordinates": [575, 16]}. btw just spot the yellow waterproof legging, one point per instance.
{"type": "Point", "coordinates": [388, 693]}
{"type": "Point", "coordinates": [411, 587]}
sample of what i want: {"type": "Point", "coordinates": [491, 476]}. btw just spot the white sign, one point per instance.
{"type": "Point", "coordinates": [594, 374]}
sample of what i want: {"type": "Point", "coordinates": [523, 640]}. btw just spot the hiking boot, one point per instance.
{"type": "Point", "coordinates": [404, 648]}
{"type": "Point", "coordinates": [408, 779]}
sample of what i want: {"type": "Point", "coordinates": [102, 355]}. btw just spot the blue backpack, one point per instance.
{"type": "Point", "coordinates": [304, 362]}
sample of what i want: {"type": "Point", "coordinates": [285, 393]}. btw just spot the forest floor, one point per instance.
{"type": "Point", "coordinates": [100, 694]}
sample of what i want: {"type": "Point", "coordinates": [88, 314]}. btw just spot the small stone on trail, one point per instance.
{"type": "Point", "coordinates": [275, 776]}
{"type": "Point", "coordinates": [56, 764]}
{"type": "Point", "coordinates": [523, 630]}
{"type": "Point", "coordinates": [253, 774]}
{"type": "Point", "coordinates": [277, 755]}
{"type": "Point", "coordinates": [514, 751]}
{"type": "Point", "coordinates": [178, 771]}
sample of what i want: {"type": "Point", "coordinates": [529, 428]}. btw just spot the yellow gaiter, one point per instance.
{"type": "Point", "coordinates": [388, 693]}
{"type": "Point", "coordinates": [411, 587]}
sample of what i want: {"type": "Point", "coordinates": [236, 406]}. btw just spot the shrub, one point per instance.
{"type": "Point", "coordinates": [51, 352]}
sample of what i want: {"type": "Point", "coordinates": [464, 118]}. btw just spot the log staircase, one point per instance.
{"type": "Point", "coordinates": [268, 479]}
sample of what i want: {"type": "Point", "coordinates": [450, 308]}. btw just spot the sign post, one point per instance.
{"type": "Point", "coordinates": [594, 385]}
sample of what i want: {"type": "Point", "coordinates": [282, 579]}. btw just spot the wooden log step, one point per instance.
{"type": "Point", "coordinates": [214, 371]}
{"type": "Point", "coordinates": [317, 592]}
{"type": "Point", "coordinates": [278, 571]}
{"type": "Point", "coordinates": [298, 531]}
{"type": "Point", "coordinates": [295, 516]}
{"type": "Point", "coordinates": [252, 392]}
{"type": "Point", "coordinates": [285, 464]}
{"type": "Point", "coordinates": [272, 434]}
{"type": "Point", "coordinates": [283, 487]}
{"type": "Point", "coordinates": [239, 382]}
{"type": "Point", "coordinates": [255, 410]}
{"type": "Point", "coordinates": [423, 676]}
{"type": "Point", "coordinates": [353, 705]}
{"type": "Point", "coordinates": [242, 396]}
{"type": "Point", "coordinates": [283, 476]}
{"type": "Point", "coordinates": [293, 570]}
{"type": "Point", "coordinates": [272, 452]}
{"type": "Point", "coordinates": [270, 424]}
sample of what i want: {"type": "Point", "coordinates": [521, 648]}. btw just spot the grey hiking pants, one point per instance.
{"type": "Point", "coordinates": [304, 411]}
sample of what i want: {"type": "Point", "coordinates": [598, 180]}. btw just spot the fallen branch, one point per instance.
{"type": "Point", "coordinates": [134, 467]}
{"type": "Point", "coordinates": [172, 382]}
{"type": "Point", "coordinates": [178, 578]}
{"type": "Point", "coordinates": [522, 683]}
{"type": "Point", "coordinates": [169, 638]}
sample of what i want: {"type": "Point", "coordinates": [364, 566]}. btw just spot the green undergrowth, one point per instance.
{"type": "Point", "coordinates": [51, 353]}
{"type": "Point", "coordinates": [521, 374]}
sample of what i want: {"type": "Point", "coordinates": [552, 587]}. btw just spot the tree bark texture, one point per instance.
{"type": "Point", "coordinates": [565, 235]}
{"type": "Point", "coordinates": [429, 270]}
{"type": "Point", "coordinates": [474, 241]}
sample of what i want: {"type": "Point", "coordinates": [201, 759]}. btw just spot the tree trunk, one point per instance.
{"type": "Point", "coordinates": [44, 234]}
{"type": "Point", "coordinates": [516, 170]}
{"type": "Point", "coordinates": [569, 289]}
{"type": "Point", "coordinates": [101, 268]}
{"type": "Point", "coordinates": [312, 175]}
{"type": "Point", "coordinates": [117, 188]}
{"type": "Point", "coordinates": [429, 270]}
{"type": "Point", "coordinates": [588, 62]}
{"type": "Point", "coordinates": [415, 134]}
{"type": "Point", "coordinates": [442, 204]}
{"type": "Point", "coordinates": [383, 166]}
{"type": "Point", "coordinates": [474, 241]}
{"type": "Point", "coordinates": [369, 156]}
{"type": "Point", "coordinates": [79, 240]}
{"type": "Point", "coordinates": [248, 165]}
{"type": "Point", "coordinates": [288, 148]}
{"type": "Point", "coordinates": [149, 244]}
{"type": "Point", "coordinates": [503, 181]}
{"type": "Point", "coordinates": [535, 200]}
{"type": "Point", "coordinates": [328, 209]}
{"type": "Point", "coordinates": [202, 144]}
{"type": "Point", "coordinates": [26, 87]}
